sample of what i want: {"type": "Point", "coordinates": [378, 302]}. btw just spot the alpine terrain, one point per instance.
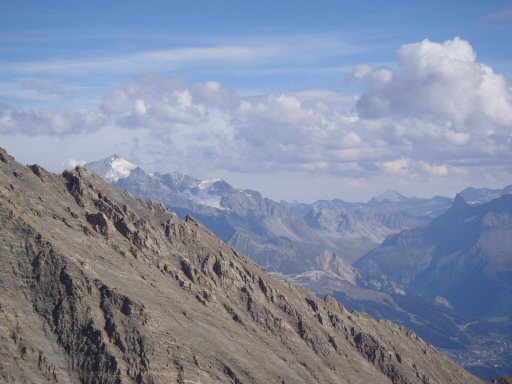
{"type": "Point", "coordinates": [461, 265]}
{"type": "Point", "coordinates": [101, 287]}
{"type": "Point", "coordinates": [281, 237]}
{"type": "Point", "coordinates": [403, 280]}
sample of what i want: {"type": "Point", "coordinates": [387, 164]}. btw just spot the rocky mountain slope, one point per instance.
{"type": "Point", "coordinates": [313, 245]}
{"type": "Point", "coordinates": [100, 287]}
{"type": "Point", "coordinates": [271, 233]}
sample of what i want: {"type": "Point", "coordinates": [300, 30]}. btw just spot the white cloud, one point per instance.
{"type": "Point", "coordinates": [163, 104]}
{"type": "Point", "coordinates": [225, 51]}
{"type": "Point", "coordinates": [441, 104]}
{"type": "Point", "coordinates": [436, 170]}
{"type": "Point", "coordinates": [503, 14]}
{"type": "Point", "coordinates": [48, 121]}
{"type": "Point", "coordinates": [401, 165]}
{"type": "Point", "coordinates": [132, 63]}
{"type": "Point", "coordinates": [441, 114]}
{"type": "Point", "coordinates": [411, 123]}
{"type": "Point", "coordinates": [440, 82]}
{"type": "Point", "coordinates": [72, 163]}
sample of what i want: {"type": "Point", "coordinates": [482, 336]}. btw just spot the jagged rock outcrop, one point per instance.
{"type": "Point", "coordinates": [100, 287]}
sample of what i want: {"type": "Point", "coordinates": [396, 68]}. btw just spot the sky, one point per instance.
{"type": "Point", "coordinates": [299, 100]}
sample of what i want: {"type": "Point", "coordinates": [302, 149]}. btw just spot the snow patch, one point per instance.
{"type": "Point", "coordinates": [119, 168]}
{"type": "Point", "coordinates": [205, 184]}
{"type": "Point", "coordinates": [202, 197]}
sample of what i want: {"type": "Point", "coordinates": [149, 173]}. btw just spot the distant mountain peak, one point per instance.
{"type": "Point", "coordinates": [481, 195]}
{"type": "Point", "coordinates": [391, 196]}
{"type": "Point", "coordinates": [112, 168]}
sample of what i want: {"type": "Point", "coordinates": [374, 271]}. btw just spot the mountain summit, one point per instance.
{"type": "Point", "coordinates": [390, 196]}
{"type": "Point", "coordinates": [112, 168]}
{"type": "Point", "coordinates": [100, 287]}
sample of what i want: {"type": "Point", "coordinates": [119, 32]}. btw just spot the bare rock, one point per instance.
{"type": "Point", "coordinates": [99, 222]}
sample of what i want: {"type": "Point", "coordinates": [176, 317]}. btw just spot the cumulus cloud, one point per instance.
{"type": "Point", "coordinates": [440, 82]}
{"type": "Point", "coordinates": [439, 113]}
{"type": "Point", "coordinates": [437, 170]}
{"type": "Point", "coordinates": [162, 103]}
{"type": "Point", "coordinates": [48, 121]}
{"type": "Point", "coordinates": [440, 110]}
{"type": "Point", "coordinates": [441, 104]}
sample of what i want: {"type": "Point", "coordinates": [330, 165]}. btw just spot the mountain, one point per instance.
{"type": "Point", "coordinates": [362, 226]}
{"type": "Point", "coordinates": [464, 255]}
{"type": "Point", "coordinates": [281, 237]}
{"type": "Point", "coordinates": [101, 287]}
{"type": "Point", "coordinates": [503, 380]}
{"type": "Point", "coordinates": [113, 168]}
{"type": "Point", "coordinates": [460, 263]}
{"type": "Point", "coordinates": [483, 195]}
{"type": "Point", "coordinates": [272, 233]}
{"type": "Point", "coordinates": [390, 196]}
{"type": "Point", "coordinates": [314, 244]}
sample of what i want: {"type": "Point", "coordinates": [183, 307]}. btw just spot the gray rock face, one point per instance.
{"type": "Point", "coordinates": [100, 287]}
{"type": "Point", "coordinates": [503, 380]}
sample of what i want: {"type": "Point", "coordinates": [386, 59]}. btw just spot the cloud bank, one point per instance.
{"type": "Point", "coordinates": [439, 111]}
{"type": "Point", "coordinates": [439, 114]}
{"type": "Point", "coordinates": [51, 122]}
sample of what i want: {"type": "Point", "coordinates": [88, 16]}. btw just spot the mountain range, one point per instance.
{"type": "Point", "coordinates": [101, 287]}
{"type": "Point", "coordinates": [427, 261]}
{"type": "Point", "coordinates": [394, 256]}
{"type": "Point", "coordinates": [281, 237]}
{"type": "Point", "coordinates": [461, 261]}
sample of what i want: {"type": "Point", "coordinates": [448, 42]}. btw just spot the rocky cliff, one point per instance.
{"type": "Point", "coordinates": [100, 287]}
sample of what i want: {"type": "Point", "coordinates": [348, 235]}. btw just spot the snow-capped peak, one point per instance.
{"type": "Point", "coordinates": [205, 184]}
{"type": "Point", "coordinates": [118, 168]}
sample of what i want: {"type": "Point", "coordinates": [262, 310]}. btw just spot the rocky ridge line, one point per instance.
{"type": "Point", "coordinates": [100, 287]}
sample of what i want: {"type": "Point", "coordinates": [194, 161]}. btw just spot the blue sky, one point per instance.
{"type": "Point", "coordinates": [300, 100]}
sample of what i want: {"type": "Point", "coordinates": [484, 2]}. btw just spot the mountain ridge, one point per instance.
{"type": "Point", "coordinates": [319, 263]}
{"type": "Point", "coordinates": [139, 292]}
{"type": "Point", "coordinates": [460, 265]}
{"type": "Point", "coordinates": [262, 227]}
{"type": "Point", "coordinates": [463, 230]}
